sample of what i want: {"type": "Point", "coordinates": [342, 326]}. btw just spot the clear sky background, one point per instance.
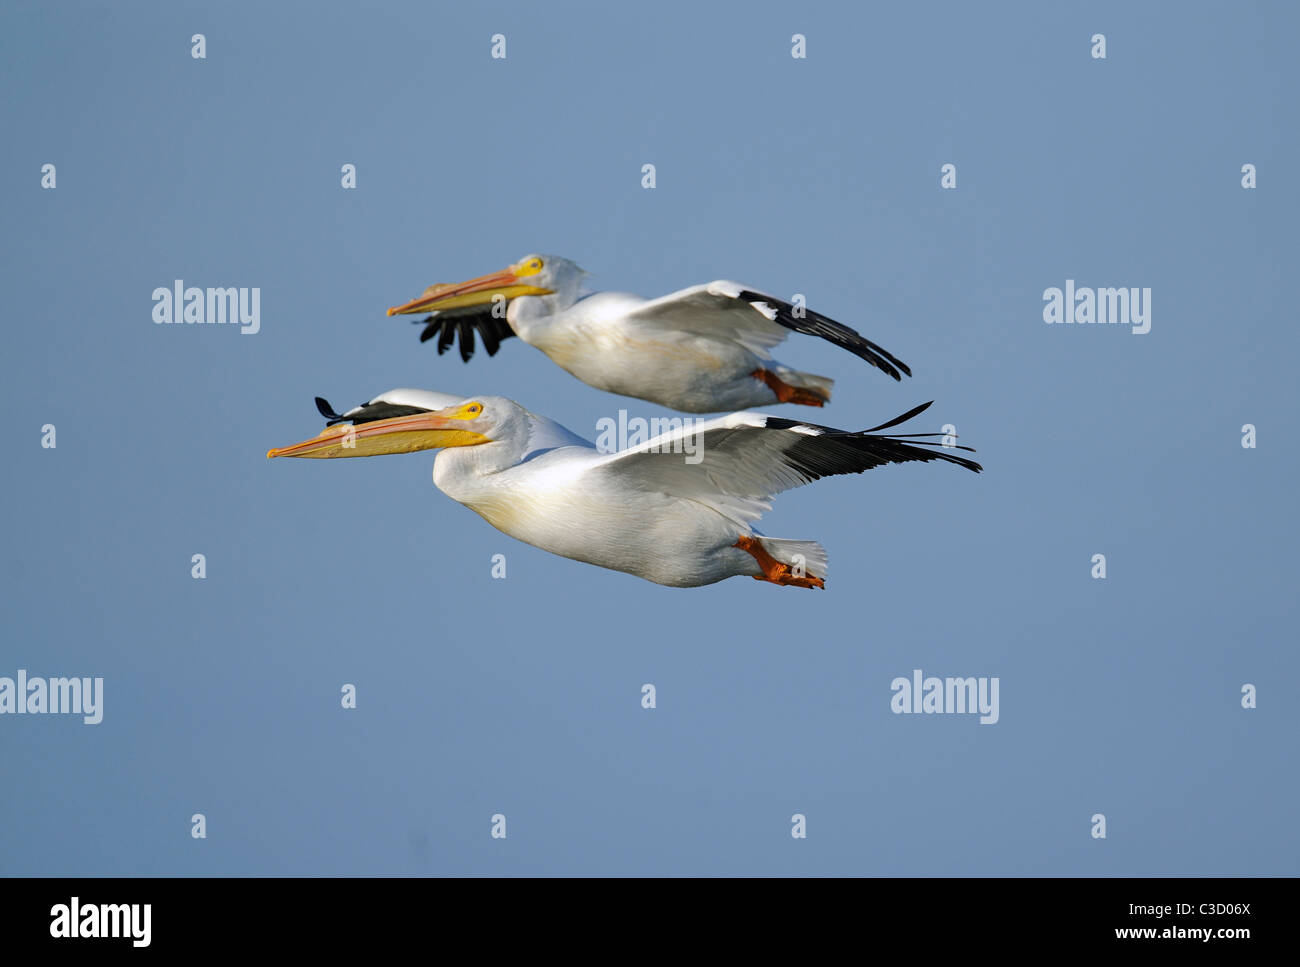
{"type": "Point", "coordinates": [522, 696]}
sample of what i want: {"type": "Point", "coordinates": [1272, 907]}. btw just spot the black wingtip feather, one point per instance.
{"type": "Point", "coordinates": [902, 419]}
{"type": "Point", "coordinates": [855, 452]}
{"type": "Point", "coordinates": [815, 324]}
{"type": "Point", "coordinates": [829, 451]}
{"type": "Point", "coordinates": [446, 337]}
{"type": "Point", "coordinates": [466, 330]}
{"type": "Point", "coordinates": [327, 411]}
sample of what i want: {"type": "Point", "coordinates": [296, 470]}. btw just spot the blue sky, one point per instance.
{"type": "Point", "coordinates": [521, 696]}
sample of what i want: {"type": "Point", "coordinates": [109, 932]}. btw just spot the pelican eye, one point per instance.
{"type": "Point", "coordinates": [474, 409]}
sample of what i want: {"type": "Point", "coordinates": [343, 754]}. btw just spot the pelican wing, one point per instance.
{"type": "Point", "coordinates": [385, 406]}
{"type": "Point", "coordinates": [756, 320]}
{"type": "Point", "coordinates": [463, 322]}
{"type": "Point", "coordinates": [746, 458]}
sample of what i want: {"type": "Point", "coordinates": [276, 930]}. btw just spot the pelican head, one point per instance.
{"type": "Point", "coordinates": [542, 284]}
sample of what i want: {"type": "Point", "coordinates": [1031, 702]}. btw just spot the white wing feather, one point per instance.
{"type": "Point", "coordinates": [715, 310]}
{"type": "Point", "coordinates": [739, 465]}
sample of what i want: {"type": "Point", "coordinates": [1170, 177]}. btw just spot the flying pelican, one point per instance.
{"type": "Point", "coordinates": [676, 510]}
{"type": "Point", "coordinates": [701, 350]}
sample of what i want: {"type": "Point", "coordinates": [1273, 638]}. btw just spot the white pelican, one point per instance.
{"type": "Point", "coordinates": [701, 350]}
{"type": "Point", "coordinates": [652, 510]}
